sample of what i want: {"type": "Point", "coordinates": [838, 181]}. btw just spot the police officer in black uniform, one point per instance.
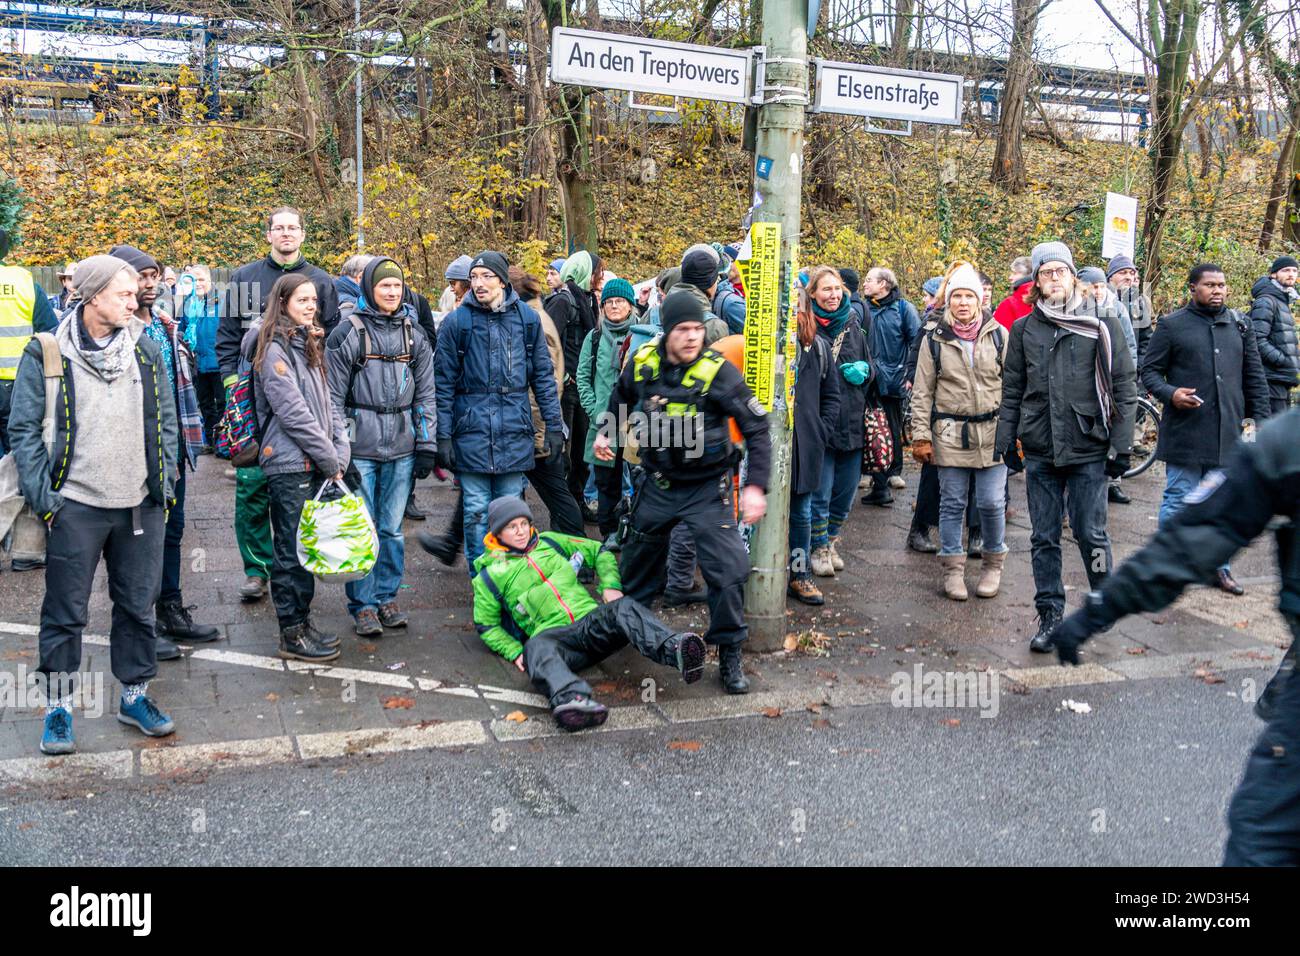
{"type": "Point", "coordinates": [676, 397]}
{"type": "Point", "coordinates": [1221, 516]}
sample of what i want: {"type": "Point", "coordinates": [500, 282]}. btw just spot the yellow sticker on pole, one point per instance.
{"type": "Point", "coordinates": [792, 336]}
{"type": "Point", "coordinates": [762, 310]}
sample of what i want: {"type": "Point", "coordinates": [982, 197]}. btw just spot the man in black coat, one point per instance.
{"type": "Point", "coordinates": [1203, 364]}
{"type": "Point", "coordinates": [1270, 313]}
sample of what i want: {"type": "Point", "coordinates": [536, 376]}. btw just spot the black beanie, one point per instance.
{"type": "Point", "coordinates": [502, 511]}
{"type": "Point", "coordinates": [850, 279]}
{"type": "Point", "coordinates": [1283, 262]}
{"type": "Point", "coordinates": [494, 261]}
{"type": "Point", "coordinates": [700, 269]}
{"type": "Point", "coordinates": [134, 258]}
{"type": "Point", "coordinates": [379, 268]}
{"type": "Point", "coordinates": [680, 306]}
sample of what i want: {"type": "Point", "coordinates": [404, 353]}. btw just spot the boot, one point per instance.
{"type": "Point", "coordinates": [164, 649]}
{"type": "Point", "coordinates": [576, 712]}
{"type": "Point", "coordinates": [731, 670]}
{"type": "Point", "coordinates": [322, 638]}
{"type": "Point", "coordinates": [441, 546]}
{"type": "Point", "coordinates": [991, 575]}
{"type": "Point", "coordinates": [174, 620]}
{"type": "Point", "coordinates": [836, 561]}
{"type": "Point", "coordinates": [804, 591]}
{"type": "Point", "coordinates": [687, 650]}
{"type": "Point", "coordinates": [821, 562]}
{"type": "Point", "coordinates": [1116, 495]}
{"type": "Point", "coordinates": [413, 512]}
{"type": "Point", "coordinates": [919, 540]}
{"type": "Point", "coordinates": [954, 576]}
{"type": "Point", "coordinates": [1042, 641]}
{"type": "Point", "coordinates": [253, 588]}
{"type": "Point", "coordinates": [297, 645]}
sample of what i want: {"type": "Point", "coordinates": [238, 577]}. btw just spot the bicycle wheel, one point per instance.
{"type": "Point", "coordinates": [1146, 429]}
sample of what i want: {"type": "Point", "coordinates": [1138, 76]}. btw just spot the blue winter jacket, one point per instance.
{"type": "Point", "coordinates": [485, 365]}
{"type": "Point", "coordinates": [894, 327]}
{"type": "Point", "coordinates": [199, 319]}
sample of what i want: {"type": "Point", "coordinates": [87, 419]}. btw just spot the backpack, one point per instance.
{"type": "Point", "coordinates": [364, 355]}
{"type": "Point", "coordinates": [461, 327]}
{"type": "Point", "coordinates": [239, 434]}
{"type": "Point", "coordinates": [25, 532]}
{"type": "Point", "coordinates": [508, 622]}
{"type": "Point", "coordinates": [720, 300]}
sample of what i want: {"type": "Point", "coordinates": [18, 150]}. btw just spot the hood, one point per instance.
{"type": "Point", "coordinates": [364, 302]}
{"type": "Point", "coordinates": [1266, 286]}
{"type": "Point", "coordinates": [890, 298]}
{"type": "Point", "coordinates": [347, 288]}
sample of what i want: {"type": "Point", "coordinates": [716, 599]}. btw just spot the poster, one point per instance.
{"type": "Point", "coordinates": [761, 276]}
{"type": "Point", "coordinates": [1119, 232]}
{"type": "Point", "coordinates": [792, 336]}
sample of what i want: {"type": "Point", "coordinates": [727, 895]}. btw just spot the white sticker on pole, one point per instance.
{"type": "Point", "coordinates": [613, 61]}
{"type": "Point", "coordinates": [1119, 234]}
{"type": "Point", "coordinates": [883, 93]}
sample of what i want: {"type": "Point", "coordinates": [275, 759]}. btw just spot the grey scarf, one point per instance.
{"type": "Point", "coordinates": [108, 362]}
{"type": "Point", "coordinates": [1080, 317]}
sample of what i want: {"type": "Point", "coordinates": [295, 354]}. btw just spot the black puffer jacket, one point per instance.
{"type": "Point", "coordinates": [1270, 314]}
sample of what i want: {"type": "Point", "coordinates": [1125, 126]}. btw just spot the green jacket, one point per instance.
{"type": "Point", "coordinates": [596, 348]}
{"type": "Point", "coordinates": [539, 587]}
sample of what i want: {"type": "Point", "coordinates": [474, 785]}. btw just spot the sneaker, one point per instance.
{"type": "Point", "coordinates": [297, 644]}
{"type": "Point", "coordinates": [1042, 641]}
{"type": "Point", "coordinates": [897, 483]}
{"type": "Point", "coordinates": [696, 595]}
{"type": "Point", "coordinates": [805, 592]}
{"type": "Point", "coordinates": [836, 561]}
{"type": "Point", "coordinates": [253, 588]}
{"type": "Point", "coordinates": [690, 652]}
{"type": "Point", "coordinates": [821, 562]}
{"type": "Point", "coordinates": [390, 615]}
{"type": "Point", "coordinates": [578, 713]}
{"type": "Point", "coordinates": [145, 715]}
{"type": "Point", "coordinates": [441, 546]}
{"type": "Point", "coordinates": [57, 737]}
{"type": "Point", "coordinates": [174, 620]}
{"type": "Point", "coordinates": [367, 623]}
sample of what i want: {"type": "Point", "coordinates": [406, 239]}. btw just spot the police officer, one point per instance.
{"type": "Point", "coordinates": [676, 397]}
{"type": "Point", "coordinates": [1221, 516]}
{"type": "Point", "coordinates": [24, 309]}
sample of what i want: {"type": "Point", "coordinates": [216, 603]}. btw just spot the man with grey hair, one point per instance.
{"type": "Point", "coordinates": [892, 328]}
{"type": "Point", "coordinates": [1069, 392]}
{"type": "Point", "coordinates": [103, 486]}
{"type": "Point", "coordinates": [348, 284]}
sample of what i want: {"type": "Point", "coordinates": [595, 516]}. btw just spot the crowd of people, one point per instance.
{"type": "Point", "coordinates": [623, 407]}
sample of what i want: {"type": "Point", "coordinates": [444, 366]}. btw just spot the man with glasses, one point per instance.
{"type": "Point", "coordinates": [244, 302]}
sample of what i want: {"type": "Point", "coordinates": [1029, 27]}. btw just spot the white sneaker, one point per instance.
{"type": "Point", "coordinates": [821, 563]}
{"type": "Point", "coordinates": [896, 481]}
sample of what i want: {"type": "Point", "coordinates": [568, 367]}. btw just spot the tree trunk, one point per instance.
{"type": "Point", "coordinates": [539, 157]}
{"type": "Point", "coordinates": [1008, 160]}
{"type": "Point", "coordinates": [1291, 222]}
{"type": "Point", "coordinates": [1282, 179]}
{"type": "Point", "coordinates": [901, 39]}
{"type": "Point", "coordinates": [573, 167]}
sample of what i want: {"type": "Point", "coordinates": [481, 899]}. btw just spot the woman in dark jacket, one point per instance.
{"type": "Point", "coordinates": [828, 302]}
{"type": "Point", "coordinates": [816, 416]}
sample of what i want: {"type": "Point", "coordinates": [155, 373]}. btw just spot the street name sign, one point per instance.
{"type": "Point", "coordinates": [880, 92]}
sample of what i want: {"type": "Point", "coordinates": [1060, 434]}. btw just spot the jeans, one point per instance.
{"type": "Point", "coordinates": [1179, 481]}
{"type": "Point", "coordinates": [1079, 490]}
{"type": "Point", "coordinates": [385, 486]}
{"type": "Point", "coordinates": [831, 502]}
{"type": "Point", "coordinates": [800, 535]}
{"type": "Point", "coordinates": [478, 490]}
{"type": "Point", "coordinates": [292, 585]}
{"type": "Point", "coordinates": [591, 491]}
{"type": "Point", "coordinates": [926, 515]}
{"type": "Point", "coordinates": [990, 488]}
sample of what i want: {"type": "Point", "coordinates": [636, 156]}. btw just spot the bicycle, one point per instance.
{"type": "Point", "coordinates": [1146, 430]}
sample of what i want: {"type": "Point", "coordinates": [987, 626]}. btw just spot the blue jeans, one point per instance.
{"type": "Point", "coordinates": [589, 491]}
{"type": "Point", "coordinates": [801, 535]}
{"type": "Point", "coordinates": [1179, 482]}
{"type": "Point", "coordinates": [990, 488]}
{"type": "Point", "coordinates": [479, 490]}
{"type": "Point", "coordinates": [831, 502]}
{"type": "Point", "coordinates": [385, 486]}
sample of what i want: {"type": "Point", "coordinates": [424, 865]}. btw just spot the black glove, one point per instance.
{"type": "Point", "coordinates": [444, 457]}
{"type": "Point", "coordinates": [554, 444]}
{"type": "Point", "coordinates": [1011, 458]}
{"type": "Point", "coordinates": [1115, 467]}
{"type": "Point", "coordinates": [1079, 626]}
{"type": "Point", "coordinates": [425, 462]}
{"type": "Point", "coordinates": [352, 477]}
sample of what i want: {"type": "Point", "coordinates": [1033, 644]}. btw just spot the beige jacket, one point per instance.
{"type": "Point", "coordinates": [959, 389]}
{"type": "Point", "coordinates": [557, 359]}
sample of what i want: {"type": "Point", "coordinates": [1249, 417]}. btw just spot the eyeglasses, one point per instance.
{"type": "Point", "coordinates": [1060, 273]}
{"type": "Point", "coordinates": [285, 229]}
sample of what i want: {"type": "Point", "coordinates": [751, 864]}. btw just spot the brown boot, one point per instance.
{"type": "Point", "coordinates": [991, 575]}
{"type": "Point", "coordinates": [804, 591]}
{"type": "Point", "coordinates": [954, 576]}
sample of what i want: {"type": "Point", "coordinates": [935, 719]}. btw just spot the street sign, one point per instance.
{"type": "Point", "coordinates": [883, 93]}
{"type": "Point", "coordinates": [1120, 229]}
{"type": "Point", "coordinates": [613, 61]}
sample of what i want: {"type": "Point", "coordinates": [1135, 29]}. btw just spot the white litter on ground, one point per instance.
{"type": "Point", "coordinates": [1078, 706]}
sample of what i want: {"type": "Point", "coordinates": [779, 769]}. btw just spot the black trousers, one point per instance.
{"type": "Point", "coordinates": [927, 502]}
{"type": "Point", "coordinates": [609, 488]}
{"type": "Point", "coordinates": [1279, 398]}
{"type": "Point", "coordinates": [6, 400]}
{"type": "Point", "coordinates": [211, 395]}
{"type": "Point", "coordinates": [550, 477]}
{"type": "Point", "coordinates": [171, 571]}
{"type": "Point", "coordinates": [575, 419]}
{"type": "Point", "coordinates": [707, 509]}
{"type": "Point", "coordinates": [553, 657]}
{"type": "Point", "coordinates": [292, 585]}
{"type": "Point", "coordinates": [80, 535]}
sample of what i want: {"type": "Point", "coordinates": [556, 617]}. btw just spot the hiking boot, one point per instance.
{"type": "Point", "coordinates": [1115, 494]}
{"type": "Point", "coordinates": [1224, 581]}
{"type": "Point", "coordinates": [731, 670]}
{"type": "Point", "coordinates": [297, 644]}
{"type": "Point", "coordinates": [690, 652]}
{"type": "Point", "coordinates": [805, 592]}
{"type": "Point", "coordinates": [881, 499]}
{"type": "Point", "coordinates": [821, 562]}
{"type": "Point", "coordinates": [174, 620]}
{"type": "Point", "coordinates": [836, 561]}
{"type": "Point", "coordinates": [145, 716]}
{"type": "Point", "coordinates": [578, 713]}
{"type": "Point", "coordinates": [413, 512]}
{"type": "Point", "coordinates": [696, 595]}
{"type": "Point", "coordinates": [441, 546]}
{"type": "Point", "coordinates": [57, 737]}
{"type": "Point", "coordinates": [390, 615]}
{"type": "Point", "coordinates": [897, 483]}
{"type": "Point", "coordinates": [1047, 621]}
{"type": "Point", "coordinates": [367, 623]}
{"type": "Point", "coordinates": [974, 544]}
{"type": "Point", "coordinates": [954, 576]}
{"type": "Point", "coordinates": [322, 638]}
{"type": "Point", "coordinates": [26, 564]}
{"type": "Point", "coordinates": [918, 540]}
{"type": "Point", "coordinates": [990, 575]}
{"type": "Point", "coordinates": [164, 649]}
{"type": "Point", "coordinates": [253, 588]}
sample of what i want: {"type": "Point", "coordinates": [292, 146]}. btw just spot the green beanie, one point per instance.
{"type": "Point", "coordinates": [618, 289]}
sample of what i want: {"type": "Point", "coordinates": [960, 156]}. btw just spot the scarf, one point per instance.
{"type": "Point", "coordinates": [613, 334]}
{"type": "Point", "coordinates": [108, 362]}
{"type": "Point", "coordinates": [1079, 317]}
{"type": "Point", "coordinates": [969, 332]}
{"type": "Point", "coordinates": [832, 322]}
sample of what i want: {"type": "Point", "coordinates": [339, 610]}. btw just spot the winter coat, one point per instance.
{"type": "Point", "coordinates": [487, 362]}
{"type": "Point", "coordinates": [729, 306]}
{"type": "Point", "coordinates": [598, 368]}
{"type": "Point", "coordinates": [1270, 313]}
{"type": "Point", "coordinates": [555, 348]}
{"type": "Point", "coordinates": [1049, 395]}
{"type": "Point", "coordinates": [392, 404]}
{"type": "Point", "coordinates": [539, 588]}
{"type": "Point", "coordinates": [816, 412]}
{"type": "Point", "coordinates": [1015, 306]}
{"type": "Point", "coordinates": [894, 327]}
{"type": "Point", "coordinates": [1215, 354]}
{"type": "Point", "coordinates": [573, 310]}
{"type": "Point", "coordinates": [348, 293]}
{"type": "Point", "coordinates": [245, 302]}
{"type": "Point", "coordinates": [847, 434]}
{"type": "Point", "coordinates": [301, 426]}
{"type": "Point", "coordinates": [198, 321]}
{"type": "Point", "coordinates": [964, 386]}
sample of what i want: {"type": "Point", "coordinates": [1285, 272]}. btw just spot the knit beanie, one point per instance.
{"type": "Point", "coordinates": [617, 289]}
{"type": "Point", "coordinates": [557, 265]}
{"type": "Point", "coordinates": [1118, 263]}
{"type": "Point", "coordinates": [1283, 262]}
{"type": "Point", "coordinates": [931, 285]}
{"type": "Point", "coordinates": [1046, 252]}
{"type": "Point", "coordinates": [494, 262]}
{"type": "Point", "coordinates": [137, 260]}
{"type": "Point", "coordinates": [502, 511]}
{"type": "Point", "coordinates": [458, 270]}
{"type": "Point", "coordinates": [678, 307]}
{"type": "Point", "coordinates": [700, 267]}
{"type": "Point", "coordinates": [380, 267]}
{"type": "Point", "coordinates": [964, 277]}
{"type": "Point", "coordinates": [1091, 275]}
{"type": "Point", "coordinates": [850, 279]}
{"type": "Point", "coordinates": [90, 276]}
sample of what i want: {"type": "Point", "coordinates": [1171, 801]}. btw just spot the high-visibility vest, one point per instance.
{"type": "Point", "coordinates": [17, 302]}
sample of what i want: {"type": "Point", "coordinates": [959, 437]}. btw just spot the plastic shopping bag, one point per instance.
{"type": "Point", "coordinates": [336, 538]}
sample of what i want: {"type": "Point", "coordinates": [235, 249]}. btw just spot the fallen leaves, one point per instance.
{"type": "Point", "coordinates": [951, 722]}
{"type": "Point", "coordinates": [398, 703]}
{"type": "Point", "coordinates": [516, 716]}
{"type": "Point", "coordinates": [1207, 676]}
{"type": "Point", "coordinates": [771, 711]}
{"type": "Point", "coordinates": [1135, 650]}
{"type": "Point", "coordinates": [272, 696]}
{"type": "Point", "coordinates": [690, 746]}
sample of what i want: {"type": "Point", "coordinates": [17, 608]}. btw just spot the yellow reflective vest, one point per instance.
{"type": "Point", "coordinates": [17, 305]}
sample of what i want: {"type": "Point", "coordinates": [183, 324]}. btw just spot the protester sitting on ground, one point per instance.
{"type": "Point", "coordinates": [530, 608]}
